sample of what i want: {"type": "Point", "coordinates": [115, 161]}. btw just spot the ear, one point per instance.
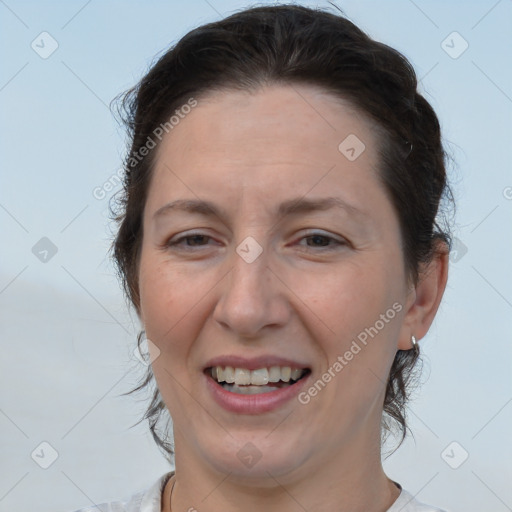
{"type": "Point", "coordinates": [424, 298]}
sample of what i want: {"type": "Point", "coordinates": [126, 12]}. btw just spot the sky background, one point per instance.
{"type": "Point", "coordinates": [67, 336]}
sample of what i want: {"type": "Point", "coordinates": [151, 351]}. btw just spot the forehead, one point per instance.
{"type": "Point", "coordinates": [294, 118]}
{"type": "Point", "coordinates": [278, 141]}
{"type": "Point", "coordinates": [296, 123]}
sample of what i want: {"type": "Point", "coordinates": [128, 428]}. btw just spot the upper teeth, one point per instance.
{"type": "Point", "coordinates": [259, 377]}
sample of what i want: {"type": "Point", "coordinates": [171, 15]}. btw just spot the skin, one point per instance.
{"type": "Point", "coordinates": [247, 153]}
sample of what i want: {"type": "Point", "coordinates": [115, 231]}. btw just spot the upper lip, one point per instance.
{"type": "Point", "coordinates": [254, 363]}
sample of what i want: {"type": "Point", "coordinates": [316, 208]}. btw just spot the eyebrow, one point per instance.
{"type": "Point", "coordinates": [290, 207]}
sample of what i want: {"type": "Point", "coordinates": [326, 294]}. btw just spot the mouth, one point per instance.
{"type": "Point", "coordinates": [243, 381]}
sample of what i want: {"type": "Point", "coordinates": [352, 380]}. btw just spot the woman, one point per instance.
{"type": "Point", "coordinates": [278, 240]}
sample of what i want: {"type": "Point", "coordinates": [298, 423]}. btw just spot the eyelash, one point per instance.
{"type": "Point", "coordinates": [177, 242]}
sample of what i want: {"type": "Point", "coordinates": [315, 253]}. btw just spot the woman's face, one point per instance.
{"type": "Point", "coordinates": [272, 279]}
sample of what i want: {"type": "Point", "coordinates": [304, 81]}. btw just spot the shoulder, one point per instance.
{"type": "Point", "coordinates": [148, 500]}
{"type": "Point", "coordinates": [406, 502]}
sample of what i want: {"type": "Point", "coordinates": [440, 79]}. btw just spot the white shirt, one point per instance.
{"type": "Point", "coordinates": [150, 500]}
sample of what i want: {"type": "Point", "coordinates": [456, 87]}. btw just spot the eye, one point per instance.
{"type": "Point", "coordinates": [195, 238]}
{"type": "Point", "coordinates": [318, 241]}
{"type": "Point", "coordinates": [322, 241]}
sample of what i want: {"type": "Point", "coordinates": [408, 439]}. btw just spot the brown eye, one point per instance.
{"type": "Point", "coordinates": [319, 240]}
{"type": "Point", "coordinates": [191, 240]}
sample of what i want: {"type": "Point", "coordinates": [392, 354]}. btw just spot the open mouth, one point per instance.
{"type": "Point", "coordinates": [252, 382]}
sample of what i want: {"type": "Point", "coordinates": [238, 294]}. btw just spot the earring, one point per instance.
{"type": "Point", "coordinates": [415, 345]}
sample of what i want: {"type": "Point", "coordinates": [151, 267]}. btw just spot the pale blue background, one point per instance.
{"type": "Point", "coordinates": [66, 334]}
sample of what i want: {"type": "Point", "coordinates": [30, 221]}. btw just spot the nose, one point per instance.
{"type": "Point", "coordinates": [252, 297]}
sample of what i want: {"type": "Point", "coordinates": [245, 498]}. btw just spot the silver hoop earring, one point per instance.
{"type": "Point", "coordinates": [415, 345]}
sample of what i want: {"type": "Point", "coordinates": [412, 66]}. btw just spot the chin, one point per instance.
{"type": "Point", "coordinates": [255, 461]}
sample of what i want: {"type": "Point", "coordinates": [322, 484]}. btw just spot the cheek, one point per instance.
{"type": "Point", "coordinates": [359, 346]}
{"type": "Point", "coordinates": [346, 299]}
{"type": "Point", "coordinates": [174, 306]}
{"type": "Point", "coordinates": [356, 304]}
{"type": "Point", "coordinates": [156, 296]}
{"type": "Point", "coordinates": [168, 306]}
{"type": "Point", "coordinates": [165, 297]}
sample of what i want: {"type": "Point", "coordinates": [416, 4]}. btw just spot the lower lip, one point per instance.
{"type": "Point", "coordinates": [253, 404]}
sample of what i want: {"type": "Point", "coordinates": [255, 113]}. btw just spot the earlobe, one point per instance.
{"type": "Point", "coordinates": [427, 297]}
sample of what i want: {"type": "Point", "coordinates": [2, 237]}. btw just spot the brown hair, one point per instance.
{"type": "Point", "coordinates": [290, 44]}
